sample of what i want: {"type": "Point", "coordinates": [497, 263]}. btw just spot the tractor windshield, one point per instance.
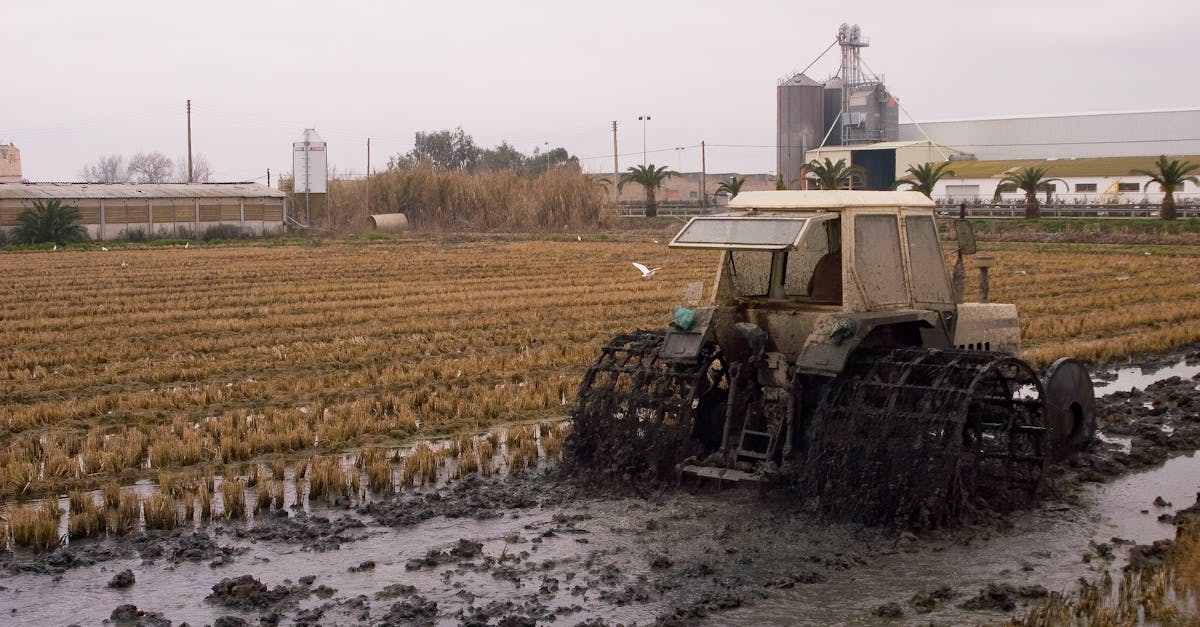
{"type": "Point", "coordinates": [740, 233]}
{"type": "Point", "coordinates": [810, 270]}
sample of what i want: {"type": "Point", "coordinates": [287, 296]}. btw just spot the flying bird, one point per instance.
{"type": "Point", "coordinates": [646, 272]}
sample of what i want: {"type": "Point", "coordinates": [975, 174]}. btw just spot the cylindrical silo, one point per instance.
{"type": "Point", "coordinates": [310, 163]}
{"type": "Point", "coordinates": [799, 124]}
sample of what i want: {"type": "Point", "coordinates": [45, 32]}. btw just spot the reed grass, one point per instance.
{"type": "Point", "coordinates": [233, 498]}
{"type": "Point", "coordinates": [204, 496]}
{"type": "Point", "coordinates": [124, 517]}
{"type": "Point", "coordinates": [326, 478]}
{"type": "Point", "coordinates": [86, 519]}
{"type": "Point", "coordinates": [33, 527]}
{"type": "Point", "coordinates": [269, 494]}
{"type": "Point", "coordinates": [420, 466]}
{"type": "Point", "coordinates": [161, 511]}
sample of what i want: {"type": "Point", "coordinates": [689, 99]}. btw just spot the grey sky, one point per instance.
{"type": "Point", "coordinates": [84, 79]}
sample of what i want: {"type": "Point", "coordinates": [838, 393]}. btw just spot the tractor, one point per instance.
{"type": "Point", "coordinates": [833, 356]}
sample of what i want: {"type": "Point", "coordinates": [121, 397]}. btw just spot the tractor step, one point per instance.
{"type": "Point", "coordinates": [721, 474]}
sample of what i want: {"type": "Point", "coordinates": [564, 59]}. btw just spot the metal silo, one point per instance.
{"type": "Point", "coordinates": [310, 171]}
{"type": "Point", "coordinates": [833, 109]}
{"type": "Point", "coordinates": [799, 125]}
{"type": "Point", "coordinates": [310, 164]}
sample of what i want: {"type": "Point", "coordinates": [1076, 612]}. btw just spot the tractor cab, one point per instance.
{"type": "Point", "coordinates": [794, 260]}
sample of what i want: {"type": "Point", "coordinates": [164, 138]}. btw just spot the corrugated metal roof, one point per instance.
{"type": "Point", "coordinates": [880, 146]}
{"type": "Point", "coordinates": [1085, 166]}
{"type": "Point", "coordinates": [21, 191]}
{"type": "Point", "coordinates": [827, 199]}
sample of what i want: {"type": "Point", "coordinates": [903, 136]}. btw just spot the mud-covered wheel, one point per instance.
{"type": "Point", "coordinates": [636, 414]}
{"type": "Point", "coordinates": [1070, 406]}
{"type": "Point", "coordinates": [919, 437]}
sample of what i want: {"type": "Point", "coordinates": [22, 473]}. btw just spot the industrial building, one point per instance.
{"type": "Point", "coordinates": [1065, 136]}
{"type": "Point", "coordinates": [852, 116]}
{"type": "Point", "coordinates": [1088, 180]}
{"type": "Point", "coordinates": [850, 108]}
{"type": "Point", "coordinates": [119, 210]}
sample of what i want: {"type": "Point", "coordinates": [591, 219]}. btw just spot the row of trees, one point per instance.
{"type": "Point", "coordinates": [146, 167]}
{"type": "Point", "coordinates": [456, 150]}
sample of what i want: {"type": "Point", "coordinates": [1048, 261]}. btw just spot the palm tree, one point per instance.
{"type": "Point", "coordinates": [650, 178]}
{"type": "Point", "coordinates": [833, 175]}
{"type": "Point", "coordinates": [1170, 176]}
{"type": "Point", "coordinates": [732, 187]}
{"type": "Point", "coordinates": [1030, 180]}
{"type": "Point", "coordinates": [924, 177]}
{"type": "Point", "coordinates": [50, 221]}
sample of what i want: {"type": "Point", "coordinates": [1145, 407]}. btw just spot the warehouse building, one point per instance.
{"type": "Point", "coordinates": [155, 210]}
{"type": "Point", "coordinates": [1065, 136]}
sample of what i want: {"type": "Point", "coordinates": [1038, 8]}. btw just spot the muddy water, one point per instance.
{"type": "Point", "coordinates": [556, 554]}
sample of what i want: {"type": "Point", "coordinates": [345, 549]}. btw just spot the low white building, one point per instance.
{"type": "Point", "coordinates": [1093, 180]}
{"type": "Point", "coordinates": [122, 210]}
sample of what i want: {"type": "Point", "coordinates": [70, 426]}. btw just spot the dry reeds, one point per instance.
{"type": "Point", "coordinates": [111, 494]}
{"type": "Point", "coordinates": [521, 445]}
{"type": "Point", "coordinates": [33, 527]}
{"type": "Point", "coordinates": [326, 478]}
{"type": "Point", "coordinates": [85, 518]}
{"type": "Point", "coordinates": [268, 495]}
{"type": "Point", "coordinates": [420, 465]}
{"type": "Point", "coordinates": [161, 511]}
{"type": "Point", "coordinates": [233, 498]}
{"type": "Point", "coordinates": [124, 517]}
{"type": "Point", "coordinates": [278, 469]}
{"type": "Point", "coordinates": [379, 476]}
{"type": "Point", "coordinates": [204, 496]}
{"type": "Point", "coordinates": [553, 437]}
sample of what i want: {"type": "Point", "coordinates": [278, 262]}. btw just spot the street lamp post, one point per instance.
{"type": "Point", "coordinates": [679, 157]}
{"type": "Point", "coordinates": [644, 119]}
{"type": "Point", "coordinates": [547, 145]}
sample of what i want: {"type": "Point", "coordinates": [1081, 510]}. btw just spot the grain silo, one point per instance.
{"type": "Point", "coordinates": [800, 124]}
{"type": "Point", "coordinates": [310, 169]}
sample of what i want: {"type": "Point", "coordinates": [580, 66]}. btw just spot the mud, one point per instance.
{"type": "Point", "coordinates": [536, 548]}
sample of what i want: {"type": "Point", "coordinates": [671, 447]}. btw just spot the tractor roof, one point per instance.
{"type": "Point", "coordinates": [830, 200]}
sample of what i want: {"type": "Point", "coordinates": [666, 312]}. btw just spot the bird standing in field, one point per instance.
{"type": "Point", "coordinates": [104, 248]}
{"type": "Point", "coordinates": [646, 272]}
{"type": "Point", "coordinates": [186, 244]}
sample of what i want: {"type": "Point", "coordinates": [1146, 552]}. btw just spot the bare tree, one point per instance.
{"type": "Point", "coordinates": [201, 169]}
{"type": "Point", "coordinates": [150, 167]}
{"type": "Point", "coordinates": [107, 169]}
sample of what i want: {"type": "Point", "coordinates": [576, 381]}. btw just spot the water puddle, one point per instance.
{"type": "Point", "coordinates": [1125, 379]}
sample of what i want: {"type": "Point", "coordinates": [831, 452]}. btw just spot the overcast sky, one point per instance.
{"type": "Point", "coordinates": [85, 79]}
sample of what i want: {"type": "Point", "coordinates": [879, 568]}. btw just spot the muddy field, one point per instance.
{"type": "Point", "coordinates": [535, 548]}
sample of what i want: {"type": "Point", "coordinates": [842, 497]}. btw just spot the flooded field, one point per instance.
{"type": "Point", "coordinates": [533, 547]}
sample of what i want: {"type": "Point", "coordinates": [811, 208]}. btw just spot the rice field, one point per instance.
{"type": "Point", "coordinates": [124, 364]}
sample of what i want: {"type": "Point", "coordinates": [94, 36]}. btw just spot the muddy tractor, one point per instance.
{"type": "Point", "coordinates": [833, 356]}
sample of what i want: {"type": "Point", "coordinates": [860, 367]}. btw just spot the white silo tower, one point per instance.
{"type": "Point", "coordinates": [310, 168]}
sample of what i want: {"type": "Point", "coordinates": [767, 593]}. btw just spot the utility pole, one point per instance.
{"type": "Point", "coordinates": [616, 165]}
{"type": "Point", "coordinates": [189, 120]}
{"type": "Point", "coordinates": [268, 177]}
{"type": "Point", "coordinates": [703, 176]}
{"type": "Point", "coordinates": [643, 119]}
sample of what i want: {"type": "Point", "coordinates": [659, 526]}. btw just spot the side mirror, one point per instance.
{"type": "Point", "coordinates": [966, 236]}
